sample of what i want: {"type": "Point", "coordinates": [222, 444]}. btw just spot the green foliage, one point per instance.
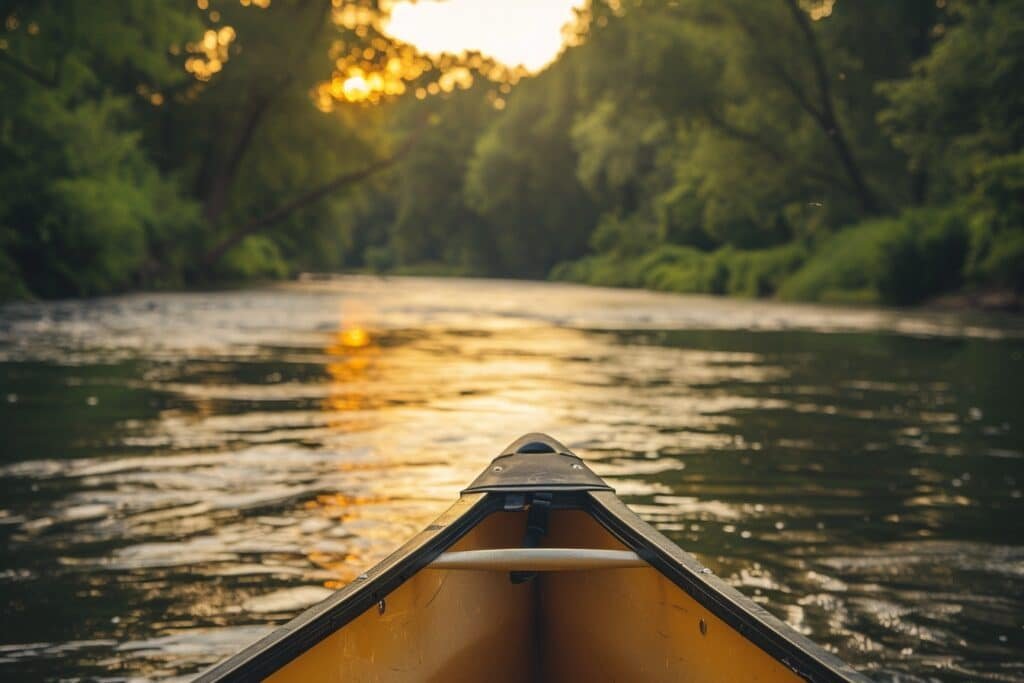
{"type": "Point", "coordinates": [674, 268]}
{"type": "Point", "coordinates": [1003, 263]}
{"type": "Point", "coordinates": [899, 260]}
{"type": "Point", "coordinates": [774, 141]}
{"type": "Point", "coordinates": [84, 198]}
{"type": "Point", "coordinates": [760, 273]}
{"type": "Point", "coordinates": [433, 221]}
{"type": "Point", "coordinates": [379, 259]}
{"type": "Point", "coordinates": [617, 148]}
{"type": "Point", "coordinates": [964, 102]}
{"type": "Point", "coordinates": [680, 269]}
{"type": "Point", "coordinates": [924, 257]}
{"type": "Point", "coordinates": [793, 148]}
{"type": "Point", "coordinates": [997, 223]}
{"type": "Point", "coordinates": [85, 228]}
{"type": "Point", "coordinates": [521, 179]}
{"type": "Point", "coordinates": [11, 284]}
{"type": "Point", "coordinates": [138, 137]}
{"type": "Point", "coordinates": [624, 237]}
{"type": "Point", "coordinates": [960, 118]}
{"type": "Point", "coordinates": [256, 257]}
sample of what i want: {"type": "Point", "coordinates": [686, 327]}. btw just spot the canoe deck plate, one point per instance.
{"type": "Point", "coordinates": [537, 472]}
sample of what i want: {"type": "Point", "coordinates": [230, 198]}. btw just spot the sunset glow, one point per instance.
{"type": "Point", "coordinates": [515, 32]}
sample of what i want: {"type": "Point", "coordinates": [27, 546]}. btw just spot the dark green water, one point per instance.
{"type": "Point", "coordinates": [180, 472]}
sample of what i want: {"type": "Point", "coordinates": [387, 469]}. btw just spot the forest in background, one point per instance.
{"type": "Point", "coordinates": [829, 150]}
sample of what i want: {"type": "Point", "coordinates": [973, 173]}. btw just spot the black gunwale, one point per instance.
{"type": "Point", "coordinates": [287, 642]}
{"type": "Point", "coordinates": [803, 656]}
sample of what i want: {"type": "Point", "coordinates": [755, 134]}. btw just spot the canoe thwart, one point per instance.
{"type": "Point", "coordinates": [538, 559]}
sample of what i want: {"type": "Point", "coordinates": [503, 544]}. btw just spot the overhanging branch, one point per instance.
{"type": "Point", "coordinates": [28, 70]}
{"type": "Point", "coordinates": [307, 199]}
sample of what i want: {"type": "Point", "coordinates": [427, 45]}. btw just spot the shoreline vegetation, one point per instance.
{"type": "Point", "coordinates": [806, 150]}
{"type": "Point", "coordinates": [915, 259]}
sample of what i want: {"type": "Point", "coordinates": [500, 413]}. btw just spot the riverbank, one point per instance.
{"type": "Point", "coordinates": [923, 256]}
{"type": "Point", "coordinates": [996, 301]}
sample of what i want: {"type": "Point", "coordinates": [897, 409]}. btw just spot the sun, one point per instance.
{"type": "Point", "coordinates": [501, 40]}
{"type": "Point", "coordinates": [355, 88]}
{"type": "Point", "coordinates": [524, 33]}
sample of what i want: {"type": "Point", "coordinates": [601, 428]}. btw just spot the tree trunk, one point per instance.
{"type": "Point", "coordinates": [827, 116]}
{"type": "Point", "coordinates": [259, 102]}
{"type": "Point", "coordinates": [217, 197]}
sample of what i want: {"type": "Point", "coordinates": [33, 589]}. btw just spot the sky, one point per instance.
{"type": "Point", "coordinates": [526, 32]}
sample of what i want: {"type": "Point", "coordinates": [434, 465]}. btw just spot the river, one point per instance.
{"type": "Point", "coordinates": [180, 472]}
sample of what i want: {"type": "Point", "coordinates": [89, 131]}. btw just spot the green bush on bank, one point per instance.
{"type": "Point", "coordinates": [11, 285]}
{"type": "Point", "coordinates": [379, 259]}
{"type": "Point", "coordinates": [996, 227]}
{"type": "Point", "coordinates": [1000, 259]}
{"type": "Point", "coordinates": [674, 268]}
{"type": "Point", "coordinates": [761, 272]}
{"type": "Point", "coordinates": [900, 260]}
{"type": "Point", "coordinates": [255, 258]}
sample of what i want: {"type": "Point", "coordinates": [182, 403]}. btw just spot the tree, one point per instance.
{"type": "Point", "coordinates": [148, 141]}
{"type": "Point", "coordinates": [960, 117]}
{"type": "Point", "coordinates": [81, 197]}
{"type": "Point", "coordinates": [433, 222]}
{"type": "Point", "coordinates": [522, 178]}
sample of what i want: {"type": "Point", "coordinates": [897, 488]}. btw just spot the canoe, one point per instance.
{"type": "Point", "coordinates": [537, 573]}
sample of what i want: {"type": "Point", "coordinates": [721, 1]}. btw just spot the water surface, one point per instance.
{"type": "Point", "coordinates": [181, 472]}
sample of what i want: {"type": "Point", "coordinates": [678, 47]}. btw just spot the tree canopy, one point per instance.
{"type": "Point", "coordinates": [816, 149]}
